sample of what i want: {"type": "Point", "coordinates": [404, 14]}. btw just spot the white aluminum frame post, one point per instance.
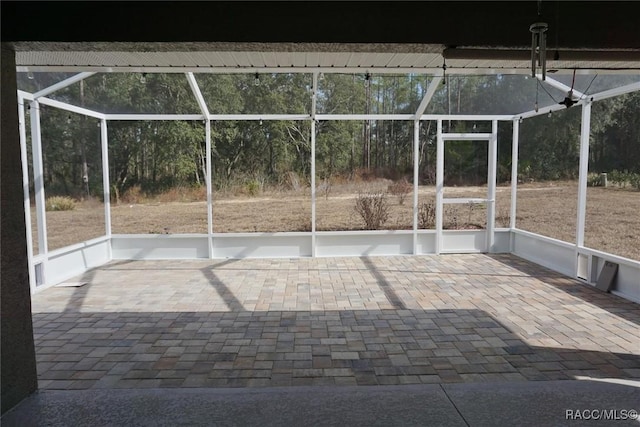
{"type": "Point", "coordinates": [514, 177]}
{"type": "Point", "coordinates": [585, 131]}
{"type": "Point", "coordinates": [25, 185]}
{"type": "Point", "coordinates": [314, 99]}
{"type": "Point", "coordinates": [491, 187]}
{"type": "Point", "coordinates": [106, 184]}
{"type": "Point", "coordinates": [38, 178]}
{"type": "Point", "coordinates": [439, 185]}
{"type": "Point", "coordinates": [209, 184]}
{"type": "Point", "coordinates": [416, 166]}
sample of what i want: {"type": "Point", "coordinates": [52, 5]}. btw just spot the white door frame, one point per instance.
{"type": "Point", "coordinates": [490, 200]}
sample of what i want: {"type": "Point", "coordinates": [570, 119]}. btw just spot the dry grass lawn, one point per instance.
{"type": "Point", "coordinates": [612, 220]}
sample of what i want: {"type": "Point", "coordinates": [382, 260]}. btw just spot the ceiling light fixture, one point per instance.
{"type": "Point", "coordinates": [143, 78]}
{"type": "Point", "coordinates": [256, 80]}
{"type": "Point", "coordinates": [367, 80]}
{"type": "Point", "coordinates": [30, 75]}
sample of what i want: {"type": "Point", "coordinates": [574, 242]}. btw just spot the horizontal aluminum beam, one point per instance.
{"type": "Point", "coordinates": [407, 117]}
{"type": "Point", "coordinates": [256, 117]}
{"type": "Point", "coordinates": [365, 117]}
{"type": "Point", "coordinates": [464, 200]}
{"type": "Point", "coordinates": [466, 136]}
{"type": "Point", "coordinates": [265, 117]}
{"type": "Point", "coordinates": [272, 117]}
{"type": "Point", "coordinates": [140, 117]}
{"type": "Point", "coordinates": [467, 117]}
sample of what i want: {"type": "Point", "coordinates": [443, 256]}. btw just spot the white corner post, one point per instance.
{"type": "Point", "coordinates": [439, 186]}
{"type": "Point", "coordinates": [416, 162]}
{"type": "Point", "coordinates": [209, 167]}
{"type": "Point", "coordinates": [313, 163]}
{"type": "Point", "coordinates": [38, 177]}
{"type": "Point", "coordinates": [106, 184]}
{"type": "Point", "coordinates": [514, 179]}
{"type": "Point", "coordinates": [25, 184]}
{"type": "Point", "coordinates": [585, 130]}
{"type": "Point", "coordinates": [491, 187]}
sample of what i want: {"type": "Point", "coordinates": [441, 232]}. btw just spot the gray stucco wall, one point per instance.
{"type": "Point", "coordinates": [19, 377]}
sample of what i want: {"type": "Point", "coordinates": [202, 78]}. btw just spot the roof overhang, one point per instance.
{"type": "Point", "coordinates": [343, 36]}
{"type": "Point", "coordinates": [301, 57]}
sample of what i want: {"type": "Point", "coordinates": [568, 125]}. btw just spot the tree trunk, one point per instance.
{"type": "Point", "coordinates": [271, 160]}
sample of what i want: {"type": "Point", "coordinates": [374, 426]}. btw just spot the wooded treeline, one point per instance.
{"type": "Point", "coordinates": [158, 155]}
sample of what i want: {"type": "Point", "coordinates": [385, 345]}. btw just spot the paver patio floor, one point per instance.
{"type": "Point", "coordinates": [329, 321]}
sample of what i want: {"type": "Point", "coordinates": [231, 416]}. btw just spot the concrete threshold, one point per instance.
{"type": "Point", "coordinates": [540, 403]}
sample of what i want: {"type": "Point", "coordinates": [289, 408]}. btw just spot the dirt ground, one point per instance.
{"type": "Point", "coordinates": [612, 220]}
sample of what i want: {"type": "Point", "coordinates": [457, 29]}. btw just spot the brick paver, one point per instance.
{"type": "Point", "coordinates": [330, 321]}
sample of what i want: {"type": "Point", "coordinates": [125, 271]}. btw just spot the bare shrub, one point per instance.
{"type": "Point", "coordinates": [253, 187]}
{"type": "Point", "coordinates": [503, 218]}
{"type": "Point", "coordinates": [364, 175]}
{"type": "Point", "coordinates": [594, 180]}
{"type": "Point", "coordinates": [303, 223]}
{"type": "Point", "coordinates": [373, 208]}
{"type": "Point", "coordinates": [428, 175]}
{"type": "Point", "coordinates": [292, 181]}
{"type": "Point", "coordinates": [471, 208]}
{"type": "Point", "coordinates": [427, 215]}
{"type": "Point", "coordinates": [634, 179]}
{"type": "Point", "coordinates": [451, 214]}
{"type": "Point", "coordinates": [115, 194]}
{"type": "Point", "coordinates": [60, 203]}
{"type": "Point", "coordinates": [325, 188]}
{"type": "Point", "coordinates": [400, 189]}
{"type": "Point", "coordinates": [183, 194]}
{"type": "Point", "coordinates": [133, 195]}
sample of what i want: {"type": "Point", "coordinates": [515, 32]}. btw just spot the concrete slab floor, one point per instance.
{"type": "Point", "coordinates": [329, 322]}
{"type": "Point", "coordinates": [482, 404]}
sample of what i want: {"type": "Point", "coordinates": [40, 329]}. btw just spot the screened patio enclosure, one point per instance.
{"type": "Point", "coordinates": [467, 167]}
